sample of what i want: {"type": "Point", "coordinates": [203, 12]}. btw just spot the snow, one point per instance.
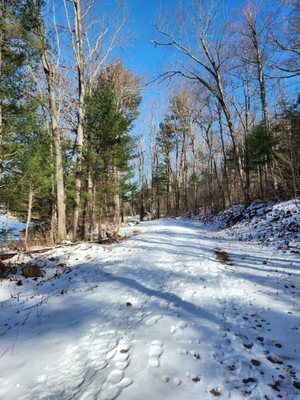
{"type": "Point", "coordinates": [175, 312]}
{"type": "Point", "coordinates": [269, 223]}
{"type": "Point", "coordinates": [10, 226]}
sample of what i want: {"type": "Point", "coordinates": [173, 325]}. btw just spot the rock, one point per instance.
{"type": "Point", "coordinates": [31, 271]}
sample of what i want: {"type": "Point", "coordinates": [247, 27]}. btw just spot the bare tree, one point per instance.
{"type": "Point", "coordinates": [2, 5]}
{"type": "Point", "coordinates": [286, 39]}
{"type": "Point", "coordinates": [205, 64]}
{"type": "Point", "coordinates": [50, 65]}
{"type": "Point", "coordinates": [90, 55]}
{"type": "Point", "coordinates": [254, 42]}
{"type": "Point", "coordinates": [141, 164]}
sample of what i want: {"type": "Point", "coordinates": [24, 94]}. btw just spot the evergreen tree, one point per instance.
{"type": "Point", "coordinates": [28, 176]}
{"type": "Point", "coordinates": [109, 146]}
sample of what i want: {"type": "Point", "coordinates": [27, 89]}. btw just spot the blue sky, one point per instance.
{"type": "Point", "coordinates": [140, 55]}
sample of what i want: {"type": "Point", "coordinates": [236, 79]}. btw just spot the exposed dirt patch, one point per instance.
{"type": "Point", "coordinates": [223, 256]}
{"type": "Point", "coordinates": [274, 360]}
{"type": "Point", "coordinates": [296, 384]}
{"type": "Point", "coordinates": [249, 380]}
{"type": "Point", "coordinates": [215, 392]}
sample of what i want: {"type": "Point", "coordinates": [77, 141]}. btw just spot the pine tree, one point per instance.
{"type": "Point", "coordinates": [108, 144]}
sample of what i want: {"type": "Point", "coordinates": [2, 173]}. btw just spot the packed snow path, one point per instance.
{"type": "Point", "coordinates": [172, 313]}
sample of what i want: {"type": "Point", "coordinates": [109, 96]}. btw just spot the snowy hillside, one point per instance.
{"type": "Point", "coordinates": [268, 223]}
{"type": "Point", "coordinates": [172, 313]}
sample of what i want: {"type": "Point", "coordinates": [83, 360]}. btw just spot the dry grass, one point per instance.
{"type": "Point", "coordinates": [6, 270]}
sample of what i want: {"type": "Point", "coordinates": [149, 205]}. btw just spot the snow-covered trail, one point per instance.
{"type": "Point", "coordinates": [164, 315]}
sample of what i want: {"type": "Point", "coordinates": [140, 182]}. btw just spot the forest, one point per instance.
{"type": "Point", "coordinates": [149, 199]}
{"type": "Point", "coordinates": [226, 129]}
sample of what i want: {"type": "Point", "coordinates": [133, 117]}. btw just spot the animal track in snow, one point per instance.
{"type": "Point", "coordinates": [155, 352]}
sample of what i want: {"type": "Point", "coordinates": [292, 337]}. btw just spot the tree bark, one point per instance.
{"type": "Point", "coordinates": [224, 154]}
{"type": "Point", "coordinates": [117, 205]}
{"type": "Point", "coordinates": [29, 210]}
{"type": "Point", "coordinates": [259, 65]}
{"type": "Point", "coordinates": [60, 190]}
{"type": "Point", "coordinates": [1, 45]}
{"type": "Point", "coordinates": [141, 180]}
{"type": "Point", "coordinates": [80, 114]}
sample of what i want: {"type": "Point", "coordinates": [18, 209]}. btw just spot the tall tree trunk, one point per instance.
{"type": "Point", "coordinates": [194, 164]}
{"type": "Point", "coordinates": [261, 77]}
{"type": "Point", "coordinates": [53, 222]}
{"type": "Point", "coordinates": [80, 114]}
{"type": "Point", "coordinates": [224, 154]}
{"type": "Point", "coordinates": [177, 179]}
{"type": "Point", "coordinates": [29, 210]}
{"type": "Point", "coordinates": [233, 135]}
{"type": "Point", "coordinates": [92, 191]}
{"type": "Point", "coordinates": [1, 44]}
{"type": "Point", "coordinates": [258, 61]}
{"type": "Point", "coordinates": [60, 190]}
{"type": "Point", "coordinates": [182, 167]}
{"type": "Point", "coordinates": [153, 158]}
{"type": "Point", "coordinates": [100, 225]}
{"type": "Point", "coordinates": [220, 186]}
{"type": "Point", "coordinates": [168, 162]}
{"type": "Point", "coordinates": [85, 213]}
{"type": "Point", "coordinates": [141, 181]}
{"type": "Point", "coordinates": [117, 204]}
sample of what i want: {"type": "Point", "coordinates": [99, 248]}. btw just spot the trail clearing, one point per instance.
{"type": "Point", "coordinates": [175, 312]}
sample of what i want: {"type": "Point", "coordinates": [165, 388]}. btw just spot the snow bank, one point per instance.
{"type": "Point", "coordinates": [10, 226]}
{"type": "Point", "coordinates": [268, 223]}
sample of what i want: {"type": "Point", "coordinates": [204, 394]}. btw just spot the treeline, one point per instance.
{"type": "Point", "coordinates": [227, 133]}
{"type": "Point", "coordinates": [66, 111]}
{"type": "Point", "coordinates": [231, 130]}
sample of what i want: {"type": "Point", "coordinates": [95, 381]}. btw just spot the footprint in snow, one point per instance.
{"type": "Point", "coordinates": [109, 392]}
{"type": "Point", "coordinates": [176, 381]}
{"type": "Point", "coordinates": [178, 328]}
{"type": "Point", "coordinates": [115, 376]}
{"type": "Point", "coordinates": [155, 352]}
{"type": "Point", "coordinates": [116, 381]}
{"type": "Point", "coordinates": [152, 320]}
